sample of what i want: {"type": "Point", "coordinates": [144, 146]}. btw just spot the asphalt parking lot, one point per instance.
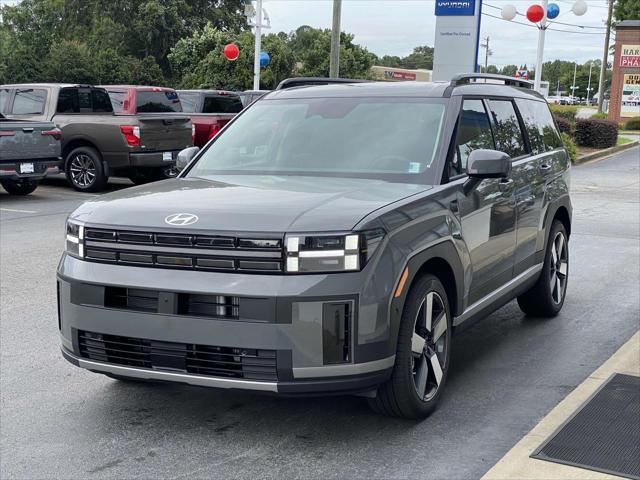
{"type": "Point", "coordinates": [507, 372]}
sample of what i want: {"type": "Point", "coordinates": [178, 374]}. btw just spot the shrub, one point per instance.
{"type": "Point", "coordinates": [599, 115]}
{"type": "Point", "coordinates": [633, 124]}
{"type": "Point", "coordinates": [565, 111]}
{"type": "Point", "coordinates": [570, 147]}
{"type": "Point", "coordinates": [565, 125]}
{"type": "Point", "coordinates": [596, 133]}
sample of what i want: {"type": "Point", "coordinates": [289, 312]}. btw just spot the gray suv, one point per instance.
{"type": "Point", "coordinates": [330, 239]}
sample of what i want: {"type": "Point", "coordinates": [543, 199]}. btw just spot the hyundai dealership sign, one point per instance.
{"type": "Point", "coordinates": [457, 38]}
{"type": "Point", "coordinates": [455, 7]}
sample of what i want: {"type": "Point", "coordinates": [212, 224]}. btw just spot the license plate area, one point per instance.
{"type": "Point", "coordinates": [27, 168]}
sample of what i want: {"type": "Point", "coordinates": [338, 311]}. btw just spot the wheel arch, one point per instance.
{"type": "Point", "coordinates": [560, 210]}
{"type": "Point", "coordinates": [441, 260]}
{"type": "Point", "coordinates": [75, 143]}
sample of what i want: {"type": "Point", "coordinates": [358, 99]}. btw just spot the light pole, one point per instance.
{"type": "Point", "coordinates": [589, 83]}
{"type": "Point", "coordinates": [573, 86]}
{"type": "Point", "coordinates": [540, 15]}
{"type": "Point", "coordinates": [255, 17]}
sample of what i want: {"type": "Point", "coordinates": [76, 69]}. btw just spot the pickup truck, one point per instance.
{"type": "Point", "coordinates": [96, 143]}
{"type": "Point", "coordinates": [29, 151]}
{"type": "Point", "coordinates": [210, 110]}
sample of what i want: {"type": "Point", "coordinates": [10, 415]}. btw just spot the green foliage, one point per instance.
{"type": "Point", "coordinates": [69, 62]}
{"type": "Point", "coordinates": [633, 124]}
{"type": "Point", "coordinates": [564, 124]}
{"type": "Point", "coordinates": [596, 133]}
{"type": "Point", "coordinates": [599, 115]}
{"type": "Point", "coordinates": [565, 111]}
{"type": "Point", "coordinates": [570, 147]}
{"type": "Point", "coordinates": [421, 57]}
{"type": "Point", "coordinates": [626, 10]}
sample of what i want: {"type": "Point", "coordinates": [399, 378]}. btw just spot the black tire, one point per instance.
{"type": "Point", "coordinates": [542, 299]}
{"type": "Point", "coordinates": [24, 186]}
{"type": "Point", "coordinates": [399, 396]}
{"type": "Point", "coordinates": [84, 170]}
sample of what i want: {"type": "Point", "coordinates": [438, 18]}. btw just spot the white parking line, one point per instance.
{"type": "Point", "coordinates": [15, 210]}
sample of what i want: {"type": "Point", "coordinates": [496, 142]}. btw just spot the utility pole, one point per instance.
{"type": "Point", "coordinates": [542, 29]}
{"type": "Point", "coordinates": [334, 59]}
{"type": "Point", "coordinates": [605, 58]}
{"type": "Point", "coordinates": [487, 52]}
{"type": "Point", "coordinates": [573, 86]}
{"type": "Point", "coordinates": [589, 83]}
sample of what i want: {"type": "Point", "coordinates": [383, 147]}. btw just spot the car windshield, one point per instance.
{"type": "Point", "coordinates": [393, 139]}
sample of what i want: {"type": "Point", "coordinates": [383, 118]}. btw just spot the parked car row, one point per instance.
{"type": "Point", "coordinates": [108, 130]}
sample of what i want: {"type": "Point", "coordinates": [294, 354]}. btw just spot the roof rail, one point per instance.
{"type": "Point", "coordinates": [310, 81]}
{"type": "Point", "coordinates": [466, 79]}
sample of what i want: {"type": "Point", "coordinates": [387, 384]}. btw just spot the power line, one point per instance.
{"type": "Point", "coordinates": [549, 29]}
{"type": "Point", "coordinates": [551, 21]}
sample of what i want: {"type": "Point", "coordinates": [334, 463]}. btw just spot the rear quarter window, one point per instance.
{"type": "Point", "coordinates": [542, 131]}
{"type": "Point", "coordinates": [29, 101]}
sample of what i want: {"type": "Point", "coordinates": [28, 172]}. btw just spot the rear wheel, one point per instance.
{"type": "Point", "coordinates": [546, 297]}
{"type": "Point", "coordinates": [23, 186]}
{"type": "Point", "coordinates": [84, 170]}
{"type": "Point", "coordinates": [423, 354]}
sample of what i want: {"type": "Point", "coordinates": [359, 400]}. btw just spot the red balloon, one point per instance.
{"type": "Point", "coordinates": [535, 13]}
{"type": "Point", "coordinates": [231, 51]}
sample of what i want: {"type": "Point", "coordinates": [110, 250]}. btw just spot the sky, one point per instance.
{"type": "Point", "coordinates": [395, 27]}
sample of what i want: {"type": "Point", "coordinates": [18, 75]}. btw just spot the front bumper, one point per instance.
{"type": "Point", "coordinates": [41, 168]}
{"type": "Point", "coordinates": [153, 159]}
{"type": "Point", "coordinates": [282, 314]}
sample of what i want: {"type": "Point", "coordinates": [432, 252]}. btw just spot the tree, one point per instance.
{"type": "Point", "coordinates": [69, 62]}
{"type": "Point", "coordinates": [626, 10]}
{"type": "Point", "coordinates": [509, 70]}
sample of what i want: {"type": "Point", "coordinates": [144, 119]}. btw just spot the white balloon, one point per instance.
{"type": "Point", "coordinates": [579, 8]}
{"type": "Point", "coordinates": [509, 12]}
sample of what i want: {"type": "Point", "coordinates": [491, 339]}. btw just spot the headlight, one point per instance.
{"type": "Point", "coordinates": [330, 253]}
{"type": "Point", "coordinates": [75, 239]}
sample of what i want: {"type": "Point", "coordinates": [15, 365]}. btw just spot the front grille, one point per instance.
{"type": "Point", "coordinates": [131, 299]}
{"type": "Point", "coordinates": [229, 362]}
{"type": "Point", "coordinates": [184, 251]}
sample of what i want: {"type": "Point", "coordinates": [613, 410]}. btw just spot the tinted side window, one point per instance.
{"type": "Point", "coordinates": [473, 132]}
{"type": "Point", "coordinates": [29, 101]}
{"type": "Point", "coordinates": [189, 102]}
{"type": "Point", "coordinates": [4, 98]}
{"type": "Point", "coordinates": [100, 101]}
{"type": "Point", "coordinates": [222, 105]}
{"type": "Point", "coordinates": [158, 101]}
{"type": "Point", "coordinates": [540, 126]}
{"type": "Point", "coordinates": [68, 101]}
{"type": "Point", "coordinates": [507, 131]}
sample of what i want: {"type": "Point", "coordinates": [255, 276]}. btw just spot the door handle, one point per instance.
{"type": "Point", "coordinates": [545, 168]}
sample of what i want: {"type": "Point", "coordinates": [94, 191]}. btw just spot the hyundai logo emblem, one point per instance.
{"type": "Point", "coordinates": [181, 219]}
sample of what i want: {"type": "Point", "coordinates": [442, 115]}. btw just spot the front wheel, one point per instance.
{"type": "Point", "coordinates": [423, 354]}
{"type": "Point", "coordinates": [546, 297]}
{"type": "Point", "coordinates": [24, 186]}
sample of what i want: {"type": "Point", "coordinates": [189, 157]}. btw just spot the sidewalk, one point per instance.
{"type": "Point", "coordinates": [517, 463]}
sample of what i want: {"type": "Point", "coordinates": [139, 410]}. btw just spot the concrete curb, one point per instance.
{"type": "Point", "coordinates": [606, 152]}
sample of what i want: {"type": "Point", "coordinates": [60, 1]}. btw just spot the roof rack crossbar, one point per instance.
{"type": "Point", "coordinates": [466, 79]}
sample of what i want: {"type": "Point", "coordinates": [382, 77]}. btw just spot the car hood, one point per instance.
{"type": "Point", "coordinates": [247, 203]}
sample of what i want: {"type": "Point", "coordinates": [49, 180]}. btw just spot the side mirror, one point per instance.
{"type": "Point", "coordinates": [486, 164]}
{"type": "Point", "coordinates": [185, 156]}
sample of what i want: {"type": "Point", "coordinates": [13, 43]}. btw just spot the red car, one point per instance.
{"type": "Point", "coordinates": [210, 110]}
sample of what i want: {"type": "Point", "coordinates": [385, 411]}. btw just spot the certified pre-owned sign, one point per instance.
{"type": "Point", "coordinates": [455, 7]}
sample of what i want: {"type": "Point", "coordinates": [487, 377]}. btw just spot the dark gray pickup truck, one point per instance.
{"type": "Point", "coordinates": [96, 143]}
{"type": "Point", "coordinates": [29, 151]}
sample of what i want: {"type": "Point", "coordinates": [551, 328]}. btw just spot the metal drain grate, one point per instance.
{"type": "Point", "coordinates": [604, 434]}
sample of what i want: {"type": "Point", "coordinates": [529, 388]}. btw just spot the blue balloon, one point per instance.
{"type": "Point", "coordinates": [553, 10]}
{"type": "Point", "coordinates": [264, 59]}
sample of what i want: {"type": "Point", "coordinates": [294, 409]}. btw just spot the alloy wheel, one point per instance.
{"type": "Point", "coordinates": [559, 267]}
{"type": "Point", "coordinates": [83, 170]}
{"type": "Point", "coordinates": [429, 346]}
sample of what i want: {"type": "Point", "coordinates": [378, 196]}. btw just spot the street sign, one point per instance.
{"type": "Point", "coordinates": [630, 56]}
